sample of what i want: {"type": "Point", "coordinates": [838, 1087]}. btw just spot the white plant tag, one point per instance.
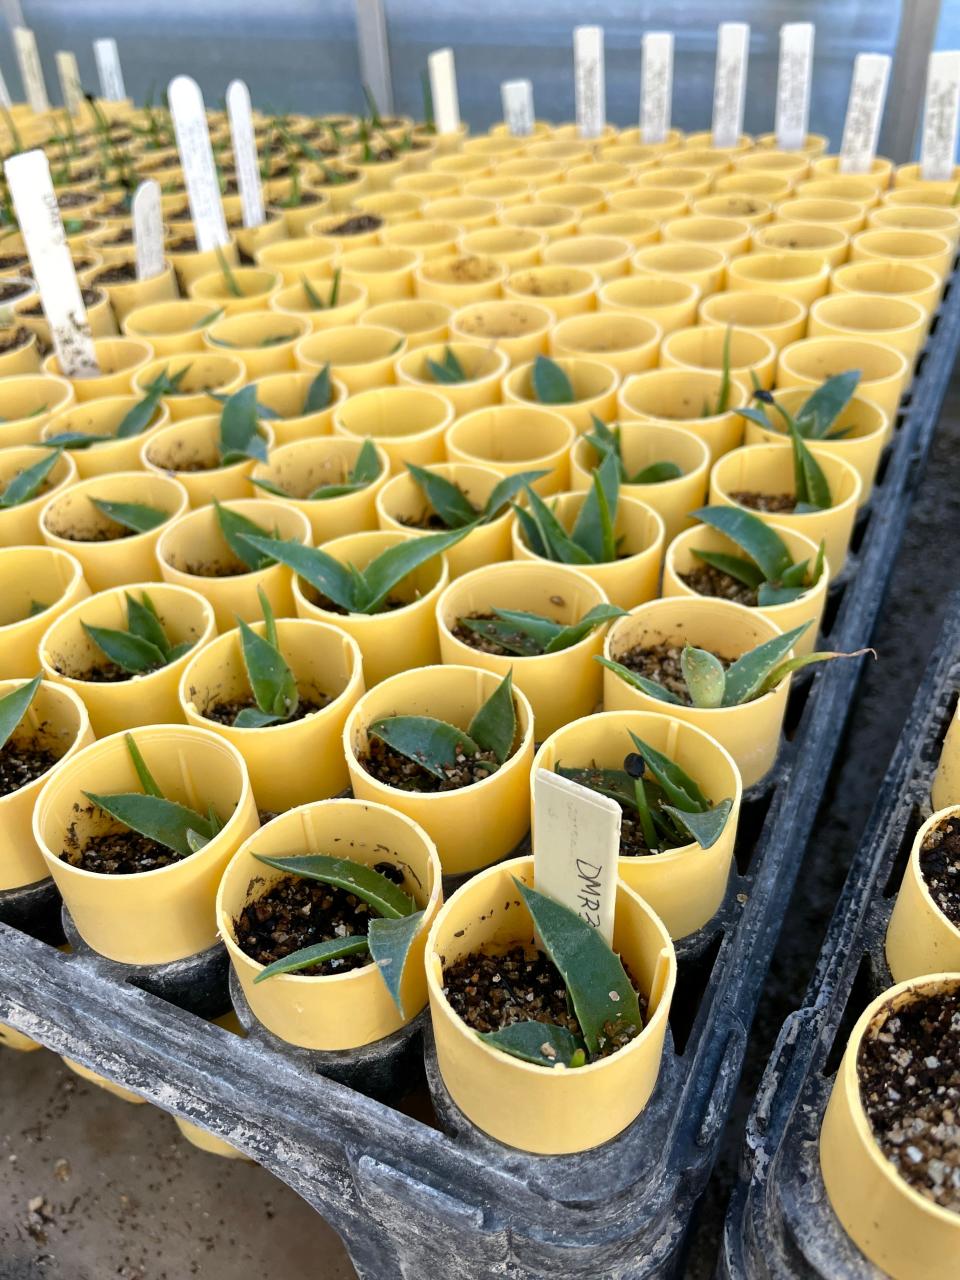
{"type": "Point", "coordinates": [443, 89]}
{"type": "Point", "coordinates": [245, 153]}
{"type": "Point", "coordinates": [794, 78]}
{"type": "Point", "coordinates": [51, 265]}
{"type": "Point", "coordinates": [576, 844]}
{"type": "Point", "coordinates": [656, 86]}
{"type": "Point", "coordinates": [4, 93]}
{"type": "Point", "coordinates": [108, 69]}
{"type": "Point", "coordinates": [861, 128]}
{"type": "Point", "coordinates": [148, 229]}
{"type": "Point", "coordinates": [938, 149]}
{"type": "Point", "coordinates": [25, 43]}
{"type": "Point", "coordinates": [589, 81]}
{"type": "Point", "coordinates": [730, 82]}
{"type": "Point", "coordinates": [517, 99]}
{"type": "Point", "coordinates": [196, 158]}
{"type": "Point", "coordinates": [71, 87]}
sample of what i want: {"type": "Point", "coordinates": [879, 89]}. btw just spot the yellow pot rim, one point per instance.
{"type": "Point", "coordinates": [934, 820]}
{"type": "Point", "coordinates": [135, 539]}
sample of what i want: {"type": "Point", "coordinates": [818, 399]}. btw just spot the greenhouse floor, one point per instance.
{"type": "Point", "coordinates": [92, 1187]}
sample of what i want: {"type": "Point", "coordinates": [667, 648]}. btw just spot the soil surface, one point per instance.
{"type": "Point", "coordinates": [103, 673]}
{"type": "Point", "coordinates": [661, 662]}
{"type": "Point", "coordinates": [12, 289]}
{"type": "Point", "coordinates": [13, 339]}
{"type": "Point", "coordinates": [908, 1068]}
{"type": "Point", "coordinates": [22, 762]}
{"type": "Point", "coordinates": [331, 606]}
{"type": "Point", "coordinates": [102, 533]}
{"type": "Point", "coordinates": [226, 712]}
{"type": "Point", "coordinates": [709, 581]}
{"type": "Point", "coordinates": [346, 175]}
{"type": "Point", "coordinates": [118, 273]}
{"type": "Point", "coordinates": [469, 271]}
{"type": "Point", "coordinates": [396, 770]}
{"type": "Point", "coordinates": [90, 296]}
{"type": "Point", "coordinates": [940, 867]}
{"type": "Point", "coordinates": [74, 199]}
{"type": "Point", "coordinates": [769, 502]}
{"type": "Point", "coordinates": [426, 520]}
{"type": "Point", "coordinates": [483, 643]}
{"type": "Point", "coordinates": [220, 569]}
{"type": "Point", "coordinates": [632, 842]}
{"type": "Point", "coordinates": [118, 853]}
{"type": "Point", "coordinates": [356, 225]}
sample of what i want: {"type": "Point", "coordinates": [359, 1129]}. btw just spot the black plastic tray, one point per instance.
{"type": "Point", "coordinates": [415, 1198]}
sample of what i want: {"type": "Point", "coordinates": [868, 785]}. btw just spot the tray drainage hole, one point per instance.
{"type": "Point", "coordinates": [753, 814]}
{"type": "Point", "coordinates": [860, 530]}
{"type": "Point", "coordinates": [861, 993]}
{"type": "Point", "coordinates": [883, 465]}
{"type": "Point", "coordinates": [899, 865]}
{"type": "Point", "coordinates": [693, 977]}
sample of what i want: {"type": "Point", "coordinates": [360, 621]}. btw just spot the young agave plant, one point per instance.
{"type": "Point", "coordinates": [364, 471]}
{"type": "Point", "coordinates": [230, 281]}
{"type": "Point", "coordinates": [601, 995]}
{"type": "Point", "coordinates": [28, 483]}
{"type": "Point", "coordinates": [173, 825]}
{"type": "Point", "coordinates": [352, 589]}
{"type": "Point", "coordinates": [714, 408]}
{"type": "Point", "coordinates": [550, 383]}
{"type": "Point", "coordinates": [447, 370]}
{"type": "Point", "coordinates": [144, 646]}
{"type": "Point", "coordinates": [592, 540]}
{"type": "Point", "coordinates": [236, 529]}
{"type": "Point", "coordinates": [315, 300]}
{"type": "Point", "coordinates": [437, 746]}
{"type": "Point", "coordinates": [668, 804]}
{"type": "Point", "coordinates": [769, 569]}
{"type": "Point", "coordinates": [272, 683]}
{"type": "Point", "coordinates": [606, 441]}
{"type": "Point", "coordinates": [529, 635]}
{"type": "Point", "coordinates": [711, 685]}
{"type": "Point", "coordinates": [319, 393]}
{"type": "Point", "coordinates": [816, 418]}
{"type": "Point", "coordinates": [138, 517]}
{"type": "Point", "coordinates": [14, 706]}
{"type": "Point", "coordinates": [453, 506]}
{"type": "Point", "coordinates": [390, 933]}
{"type": "Point", "coordinates": [134, 422]}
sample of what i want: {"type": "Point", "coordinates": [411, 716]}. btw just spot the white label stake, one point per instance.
{"type": "Point", "coordinates": [71, 86]}
{"type": "Point", "coordinates": [148, 229]}
{"type": "Point", "coordinates": [443, 89]}
{"type": "Point", "coordinates": [108, 69]}
{"type": "Point", "coordinates": [730, 82]}
{"type": "Point", "coordinates": [589, 81]}
{"type": "Point", "coordinates": [576, 844]}
{"type": "Point", "coordinates": [656, 86]}
{"type": "Point", "coordinates": [517, 99]}
{"type": "Point", "coordinates": [4, 93]}
{"type": "Point", "coordinates": [25, 43]}
{"type": "Point", "coordinates": [794, 77]}
{"type": "Point", "coordinates": [245, 153]}
{"type": "Point", "coordinates": [196, 157]}
{"type": "Point", "coordinates": [861, 128]}
{"type": "Point", "coordinates": [50, 262]}
{"type": "Point", "coordinates": [938, 150]}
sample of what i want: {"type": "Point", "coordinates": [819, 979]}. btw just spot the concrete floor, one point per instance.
{"type": "Point", "coordinates": [92, 1187]}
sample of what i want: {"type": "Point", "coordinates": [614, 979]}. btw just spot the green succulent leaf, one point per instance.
{"type": "Point", "coordinates": [744, 571]}
{"type": "Point", "coordinates": [393, 565]}
{"type": "Point", "coordinates": [542, 1043]}
{"type": "Point", "coordinates": [377, 890]}
{"type": "Point", "coordinates": [762, 544]}
{"type": "Point", "coordinates": [27, 484]}
{"type": "Point", "coordinates": [130, 652]}
{"type": "Point", "coordinates": [818, 414]}
{"type": "Point", "coordinates": [143, 621]}
{"type": "Point", "coordinates": [239, 435]}
{"type": "Point", "coordinates": [156, 818]}
{"type": "Point", "coordinates": [448, 500]}
{"type": "Point", "coordinates": [530, 530]}
{"type": "Point", "coordinates": [557, 543]}
{"type": "Point", "coordinates": [577, 631]}
{"type": "Point", "coordinates": [706, 828]}
{"type": "Point", "coordinates": [680, 789]}
{"type": "Point", "coordinates": [810, 484]}
{"type": "Point", "coordinates": [229, 279]}
{"type": "Point", "coordinates": [656, 473]}
{"type": "Point", "coordinates": [132, 515]}
{"type": "Point", "coordinates": [447, 370]}
{"type": "Point", "coordinates": [390, 942]}
{"type": "Point", "coordinates": [367, 467]}
{"type": "Point", "coordinates": [593, 530]}
{"type": "Point", "coordinates": [805, 660]}
{"type": "Point", "coordinates": [768, 595]}
{"type": "Point", "coordinates": [747, 678]}
{"type": "Point", "coordinates": [14, 706]}
{"type": "Point", "coordinates": [75, 440]}
{"type": "Point", "coordinates": [494, 727]}
{"type": "Point", "coordinates": [615, 783]}
{"type": "Point", "coordinates": [433, 744]}
{"type": "Point", "coordinates": [273, 683]}
{"type": "Point", "coordinates": [506, 490]}
{"type": "Point", "coordinates": [550, 383]}
{"type": "Point", "coordinates": [505, 634]}
{"type": "Point", "coordinates": [723, 395]}
{"type": "Point", "coordinates": [307, 957]}
{"type": "Point", "coordinates": [238, 530]}
{"type": "Point", "coordinates": [324, 573]}
{"type": "Point", "coordinates": [650, 687]}
{"type": "Point", "coordinates": [211, 318]}
{"type": "Point", "coordinates": [136, 420]}
{"type": "Point", "coordinates": [704, 675]}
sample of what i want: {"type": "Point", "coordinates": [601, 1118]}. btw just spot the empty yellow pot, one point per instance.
{"type": "Point", "coordinates": [514, 247]}
{"type": "Point", "coordinates": [27, 403]}
{"type": "Point", "coordinates": [671, 304]}
{"type": "Point", "coordinates": [385, 271]}
{"type": "Point", "coordinates": [921, 938]}
{"type": "Point", "coordinates": [700, 264]}
{"type": "Point", "coordinates": [426, 239]}
{"type": "Point", "coordinates": [781, 320]}
{"type": "Point", "coordinates": [731, 235]}
{"type": "Point", "coordinates": [885, 276]}
{"type": "Point", "coordinates": [119, 359]}
{"type": "Point", "coordinates": [848, 215]}
{"type": "Point", "coordinates": [421, 322]}
{"type": "Point", "coordinates": [519, 329]}
{"type": "Point", "coordinates": [511, 438]}
{"type": "Point", "coordinates": [360, 356]}
{"type": "Point", "coordinates": [884, 371]}
{"type": "Point", "coordinates": [20, 524]}
{"type": "Point", "coordinates": [460, 278]}
{"type": "Point", "coordinates": [831, 243]}
{"type": "Point", "coordinates": [660, 204]}
{"type": "Point", "coordinates": [681, 396]}
{"type": "Point", "coordinates": [37, 584]}
{"type": "Point", "coordinates": [749, 209]}
{"type": "Point", "coordinates": [608, 256]}
{"type": "Point", "coordinates": [791, 274]}
{"type": "Point", "coordinates": [900, 323]}
{"type": "Point", "coordinates": [922, 217]}
{"type": "Point", "coordinates": [408, 423]}
{"type": "Point", "coordinates": [553, 221]}
{"type": "Point", "coordinates": [567, 291]}
{"type": "Point", "coordinates": [921, 248]}
{"type": "Point", "coordinates": [628, 343]}
{"type": "Point", "coordinates": [171, 328]}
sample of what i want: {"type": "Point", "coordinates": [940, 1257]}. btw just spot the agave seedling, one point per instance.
{"type": "Point", "coordinates": [816, 419]}
{"type": "Point", "coordinates": [448, 370]}
{"type": "Point", "coordinates": [315, 300]}
{"type": "Point", "coordinates": [231, 284]}
{"type": "Point", "coordinates": [713, 409]}
{"type": "Point", "coordinates": [28, 483]}
{"type": "Point", "coordinates": [239, 437]}
{"type": "Point", "coordinates": [144, 646]}
{"type": "Point", "coordinates": [769, 570]}
{"type": "Point", "coordinates": [364, 471]}
{"type": "Point", "coordinates": [133, 423]}
{"type": "Point", "coordinates": [15, 769]}
{"type": "Point", "coordinates": [454, 508]}
{"type": "Point", "coordinates": [272, 683]}
{"type": "Point", "coordinates": [592, 540]}
{"type": "Point", "coordinates": [550, 383]}
{"type": "Point", "coordinates": [236, 530]}
{"type": "Point", "coordinates": [136, 517]}
{"type": "Point", "coordinates": [529, 635]}
{"type": "Point", "coordinates": [666, 806]}
{"type": "Point", "coordinates": [607, 440]}
{"type": "Point", "coordinates": [448, 757]}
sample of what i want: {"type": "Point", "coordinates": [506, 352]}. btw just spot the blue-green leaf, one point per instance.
{"type": "Point", "coordinates": [744, 571]}
{"type": "Point", "coordinates": [761, 543]}
{"type": "Point", "coordinates": [377, 890]}
{"type": "Point", "coordinates": [650, 687]}
{"type": "Point", "coordinates": [707, 827]}
{"type": "Point", "coordinates": [557, 542]}
{"type": "Point", "coordinates": [506, 490]}
{"type": "Point", "coordinates": [239, 429]}
{"type": "Point", "coordinates": [393, 565]}
{"type": "Point", "coordinates": [576, 631]}
{"type": "Point", "coordinates": [154, 817]}
{"type": "Point", "coordinates": [324, 573]}
{"type": "Point", "coordinates": [818, 414]}
{"type": "Point", "coordinates": [656, 473]}
{"type": "Point", "coordinates": [494, 727]}
{"type": "Point", "coordinates": [130, 652]}
{"type": "Point", "coordinates": [273, 683]}
{"type": "Point", "coordinates": [543, 1043]}
{"type": "Point", "coordinates": [509, 637]}
{"type": "Point", "coordinates": [390, 942]}
{"type": "Point", "coordinates": [594, 527]}
{"type": "Point", "coordinates": [747, 678]}
{"type": "Point", "coordinates": [307, 957]}
{"type": "Point", "coordinates": [679, 787]}
{"type": "Point", "coordinates": [448, 500]}
{"type": "Point", "coordinates": [241, 534]}
{"type": "Point", "coordinates": [432, 744]}
{"type": "Point", "coordinates": [550, 383]}
{"type": "Point", "coordinates": [136, 420]}
{"type": "Point", "coordinates": [132, 515]}
{"type": "Point", "coordinates": [319, 392]}
{"type": "Point", "coordinates": [14, 706]}
{"type": "Point", "coordinates": [27, 484]}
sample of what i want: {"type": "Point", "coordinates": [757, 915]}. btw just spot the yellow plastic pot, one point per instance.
{"type": "Point", "coordinates": [560, 686]}
{"type": "Point", "coordinates": [684, 886]}
{"type": "Point", "coordinates": [127, 296]}
{"type": "Point", "coordinates": [203, 373]}
{"type": "Point", "coordinates": [814, 144]}
{"type": "Point", "coordinates": [896, 322]}
{"type": "Point", "coordinates": [408, 423]}
{"type": "Point", "coordinates": [119, 360]}
{"type": "Point", "coordinates": [422, 323]}
{"type": "Point", "coordinates": [751, 732]}
{"type": "Point", "coordinates": [554, 221]}
{"type": "Point", "coordinates": [463, 167]}
{"type": "Point", "coordinates": [425, 239]}
{"type": "Point", "coordinates": [56, 721]}
{"type": "Point", "coordinates": [946, 781]}
{"type": "Point", "coordinates": [653, 202]}
{"type": "Point", "coordinates": [302, 466]}
{"type": "Point", "coordinates": [567, 291]}
{"type": "Point", "coordinates": [594, 387]}
{"type": "Point", "coordinates": [506, 191]}
{"type": "Point", "coordinates": [878, 175]}
{"type": "Point", "coordinates": [262, 342]}
{"type": "Point", "coordinates": [519, 329]}
{"type": "Point", "coordinates": [250, 240]}
{"type": "Point", "coordinates": [341, 194]}
{"type": "Point", "coordinates": [679, 396]}
{"type": "Point", "coordinates": [67, 653]}
{"type": "Point", "coordinates": [606, 174]}
{"type": "Point", "coordinates": [550, 1112]}
{"type": "Point", "coordinates": [152, 917]}
{"type": "Point", "coordinates": [361, 356]}
{"type": "Point", "coordinates": [171, 328]}
{"type": "Point", "coordinates": [922, 248]}
{"type": "Point", "coordinates": [257, 286]}
{"type": "Point", "coordinates": [192, 264]}
{"type": "Point", "coordinates": [293, 300]}
{"type": "Point", "coordinates": [849, 215]}
{"type": "Point", "coordinates": [286, 394]}
{"type": "Point", "coordinates": [468, 212]}
{"type": "Point", "coordinates": [899, 279]}
{"type": "Point", "coordinates": [626, 342]}
{"type": "Point", "coordinates": [385, 271]}
{"type": "Point", "coordinates": [428, 185]}
{"type": "Point", "coordinates": [580, 198]}
{"type": "Point", "coordinates": [31, 576]}
{"type": "Point", "coordinates": [472, 826]}
{"type": "Point", "coordinates": [832, 244]}
{"type": "Point", "coordinates": [920, 937]}
{"type": "Point", "coordinates": [459, 278]}
{"type": "Point", "coordinates": [772, 187]}
{"type": "Point", "coordinates": [635, 228]}
{"type": "Point", "coordinates": [749, 209]}
{"type": "Point", "coordinates": [932, 195]}
{"type": "Point", "coordinates": [20, 525]}
{"type": "Point", "coordinates": [301, 256]}
{"type": "Point", "coordinates": [680, 559]}
{"type": "Point", "coordinates": [700, 264]}
{"type": "Point", "coordinates": [909, 175]}
{"type": "Point", "coordinates": [296, 218]}
{"type": "Point", "coordinates": [484, 366]}
{"type": "Point", "coordinates": [701, 347]}
{"type": "Point", "coordinates": [781, 320]}
{"type": "Point", "coordinates": [643, 443]}
{"type": "Point", "coordinates": [22, 359]}
{"type": "Point", "coordinates": [608, 256]}
{"type": "Point", "coordinates": [922, 217]}
{"type": "Point", "coordinates": [188, 451]}
{"type": "Point", "coordinates": [396, 639]}
{"type": "Point", "coordinates": [768, 468]}
{"type": "Point", "coordinates": [27, 403]}
{"type": "Point", "coordinates": [346, 1010]}
{"type": "Point", "coordinates": [904, 1234]}
{"type": "Point", "coordinates": [693, 183]}
{"type": "Point", "coordinates": [103, 417]}
{"type": "Point", "coordinates": [514, 247]}
{"type": "Point", "coordinates": [792, 165]}
{"type": "Point", "coordinates": [790, 274]}
{"type": "Point", "coordinates": [293, 763]}
{"type": "Point", "coordinates": [194, 542]}
{"type": "Point", "coordinates": [671, 304]}
{"type": "Point", "coordinates": [884, 371]}
{"type": "Point", "coordinates": [635, 575]}
{"type": "Point", "coordinates": [730, 235]}
{"type": "Point", "coordinates": [850, 187]}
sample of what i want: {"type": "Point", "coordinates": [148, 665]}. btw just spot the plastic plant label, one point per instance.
{"type": "Point", "coordinates": [861, 128]}
{"type": "Point", "coordinates": [589, 81]}
{"type": "Point", "coordinates": [108, 69]}
{"type": "Point", "coordinates": [374, 50]}
{"type": "Point", "coordinates": [4, 93]}
{"type": "Point", "coordinates": [196, 158]}
{"type": "Point", "coordinates": [245, 153]}
{"type": "Point", "coordinates": [656, 86]}
{"type": "Point", "coordinates": [443, 88]}
{"type": "Point", "coordinates": [517, 99]}
{"type": "Point", "coordinates": [28, 59]}
{"type": "Point", "coordinates": [576, 844]}
{"type": "Point", "coordinates": [51, 265]}
{"type": "Point", "coordinates": [71, 86]}
{"type": "Point", "coordinates": [730, 82]}
{"type": "Point", "coordinates": [794, 78]}
{"type": "Point", "coordinates": [938, 148]}
{"type": "Point", "coordinates": [148, 229]}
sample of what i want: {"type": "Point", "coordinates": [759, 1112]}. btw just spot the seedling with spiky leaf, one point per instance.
{"type": "Point", "coordinates": [449, 370]}
{"type": "Point", "coordinates": [315, 300]}
{"type": "Point", "coordinates": [364, 471]}
{"type": "Point", "coordinates": [28, 483]}
{"type": "Point", "coordinates": [236, 530]}
{"type": "Point", "coordinates": [769, 569]}
{"type": "Point", "coordinates": [607, 440]}
{"type": "Point", "coordinates": [352, 589]}
{"type": "Point", "coordinates": [453, 506]}
{"type": "Point", "coordinates": [144, 646]}
{"type": "Point", "coordinates": [529, 635]}
{"type": "Point", "coordinates": [319, 393]}
{"type": "Point", "coordinates": [138, 517]}
{"type": "Point", "coordinates": [239, 436]}
{"type": "Point", "coordinates": [592, 540]}
{"type": "Point", "coordinates": [550, 383]}
{"type": "Point", "coordinates": [133, 423]}
{"type": "Point", "coordinates": [715, 408]}
{"type": "Point", "coordinates": [14, 706]}
{"type": "Point", "coordinates": [426, 93]}
{"type": "Point", "coordinates": [711, 685]}
{"type": "Point", "coordinates": [173, 825]}
{"type": "Point", "coordinates": [816, 418]}
{"type": "Point", "coordinates": [230, 281]}
{"type": "Point", "coordinates": [665, 802]}
{"type": "Point", "coordinates": [272, 683]}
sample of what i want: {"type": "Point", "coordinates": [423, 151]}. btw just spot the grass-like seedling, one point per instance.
{"type": "Point", "coordinates": [713, 409]}
{"type": "Point", "coordinates": [607, 440]}
{"type": "Point", "coordinates": [144, 646]}
{"type": "Point", "coordinates": [592, 540]}
{"type": "Point", "coordinates": [315, 300]}
{"type": "Point", "coordinates": [529, 635]}
{"type": "Point", "coordinates": [230, 281]}
{"type": "Point", "coordinates": [319, 393]}
{"type": "Point", "coordinates": [448, 370]}
{"type": "Point", "coordinates": [768, 568]}
{"type": "Point", "coordinates": [453, 506]}
{"type": "Point", "coordinates": [28, 483]}
{"type": "Point", "coordinates": [364, 472]}
{"type": "Point", "coordinates": [133, 423]}
{"type": "Point", "coordinates": [272, 683]}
